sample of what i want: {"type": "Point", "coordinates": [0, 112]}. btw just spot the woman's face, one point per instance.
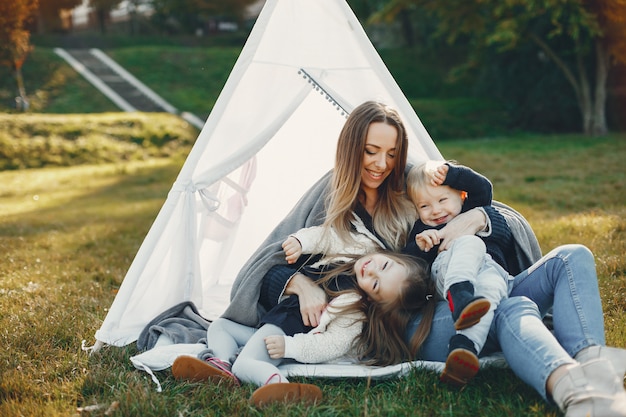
{"type": "Point", "coordinates": [379, 157]}
{"type": "Point", "coordinates": [380, 276]}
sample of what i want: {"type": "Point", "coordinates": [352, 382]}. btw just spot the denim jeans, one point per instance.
{"type": "Point", "coordinates": [565, 280]}
{"type": "Point", "coordinates": [466, 260]}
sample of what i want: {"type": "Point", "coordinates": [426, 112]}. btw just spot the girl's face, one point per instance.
{"type": "Point", "coordinates": [379, 158]}
{"type": "Point", "coordinates": [438, 205]}
{"type": "Point", "coordinates": [380, 277]}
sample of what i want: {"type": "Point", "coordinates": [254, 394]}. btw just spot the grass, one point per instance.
{"type": "Point", "coordinates": [68, 235]}
{"type": "Point", "coordinates": [168, 64]}
{"type": "Point", "coordinates": [39, 140]}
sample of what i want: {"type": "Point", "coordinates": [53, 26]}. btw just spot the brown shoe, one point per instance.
{"type": "Point", "coordinates": [286, 392]}
{"type": "Point", "coordinates": [196, 370]}
{"type": "Point", "coordinates": [472, 313]}
{"type": "Point", "coordinates": [461, 366]}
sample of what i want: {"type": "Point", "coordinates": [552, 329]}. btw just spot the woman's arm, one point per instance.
{"type": "Point", "coordinates": [469, 223]}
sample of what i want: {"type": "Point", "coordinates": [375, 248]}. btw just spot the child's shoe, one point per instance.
{"type": "Point", "coordinates": [467, 309]}
{"type": "Point", "coordinates": [197, 370]}
{"type": "Point", "coordinates": [462, 363]}
{"type": "Point", "coordinates": [285, 392]}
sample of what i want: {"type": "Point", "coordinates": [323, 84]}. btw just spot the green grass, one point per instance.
{"type": "Point", "coordinates": [69, 234]}
{"type": "Point", "coordinates": [165, 69]}
{"type": "Point", "coordinates": [39, 140]}
{"type": "Point", "coordinates": [52, 86]}
{"type": "Point", "coordinates": [190, 76]}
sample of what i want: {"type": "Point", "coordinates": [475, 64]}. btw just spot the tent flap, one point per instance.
{"type": "Point", "coordinates": [270, 136]}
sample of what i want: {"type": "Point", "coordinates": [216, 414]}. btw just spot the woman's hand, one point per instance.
{"type": "Point", "coordinates": [468, 223]}
{"type": "Point", "coordinates": [311, 296]}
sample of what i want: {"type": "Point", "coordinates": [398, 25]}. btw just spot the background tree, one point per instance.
{"type": "Point", "coordinates": [584, 39]}
{"type": "Point", "coordinates": [49, 14]}
{"type": "Point", "coordinates": [189, 15]}
{"type": "Point", "coordinates": [103, 10]}
{"type": "Point", "coordinates": [15, 40]}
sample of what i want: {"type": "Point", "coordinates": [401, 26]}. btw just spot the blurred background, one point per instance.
{"type": "Point", "coordinates": [469, 68]}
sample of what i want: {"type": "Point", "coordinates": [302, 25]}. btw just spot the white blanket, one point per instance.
{"type": "Point", "coordinates": [163, 355]}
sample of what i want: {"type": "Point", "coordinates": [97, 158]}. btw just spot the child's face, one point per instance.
{"type": "Point", "coordinates": [380, 277]}
{"type": "Point", "coordinates": [438, 205]}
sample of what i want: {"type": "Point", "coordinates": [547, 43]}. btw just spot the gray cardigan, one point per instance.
{"type": "Point", "coordinates": [310, 211]}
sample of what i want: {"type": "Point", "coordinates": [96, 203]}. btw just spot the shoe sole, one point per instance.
{"type": "Point", "coordinates": [461, 366]}
{"type": "Point", "coordinates": [196, 370]}
{"type": "Point", "coordinates": [284, 392]}
{"type": "Point", "coordinates": [472, 313]}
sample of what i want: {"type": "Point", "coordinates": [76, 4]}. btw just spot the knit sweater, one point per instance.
{"type": "Point", "coordinates": [332, 339]}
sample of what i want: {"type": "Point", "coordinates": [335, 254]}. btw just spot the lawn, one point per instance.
{"type": "Point", "coordinates": [68, 235]}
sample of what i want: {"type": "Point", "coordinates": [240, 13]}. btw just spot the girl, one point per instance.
{"type": "Point", "coordinates": [365, 322]}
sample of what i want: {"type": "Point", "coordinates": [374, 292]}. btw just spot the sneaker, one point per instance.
{"type": "Point", "coordinates": [197, 370]}
{"type": "Point", "coordinates": [616, 356]}
{"type": "Point", "coordinates": [462, 363]}
{"type": "Point", "coordinates": [467, 309]}
{"type": "Point", "coordinates": [286, 393]}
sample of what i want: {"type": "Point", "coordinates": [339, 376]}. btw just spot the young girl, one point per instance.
{"type": "Point", "coordinates": [366, 322]}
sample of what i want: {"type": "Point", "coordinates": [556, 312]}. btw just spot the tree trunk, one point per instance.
{"type": "Point", "coordinates": [585, 100]}
{"type": "Point", "coordinates": [599, 127]}
{"type": "Point", "coordinates": [21, 101]}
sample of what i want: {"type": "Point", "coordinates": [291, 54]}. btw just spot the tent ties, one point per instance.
{"type": "Point", "coordinates": [318, 87]}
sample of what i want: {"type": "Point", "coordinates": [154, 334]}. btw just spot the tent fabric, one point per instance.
{"type": "Point", "coordinates": [271, 134]}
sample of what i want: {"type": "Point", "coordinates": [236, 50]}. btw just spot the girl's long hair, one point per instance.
{"type": "Point", "coordinates": [383, 339]}
{"type": "Point", "coordinates": [394, 213]}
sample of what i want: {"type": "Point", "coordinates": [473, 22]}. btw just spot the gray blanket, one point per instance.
{"type": "Point", "coordinates": [181, 323]}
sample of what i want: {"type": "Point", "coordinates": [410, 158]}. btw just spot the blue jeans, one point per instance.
{"type": "Point", "coordinates": [560, 280]}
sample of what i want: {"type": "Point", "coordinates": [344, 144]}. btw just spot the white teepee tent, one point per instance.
{"type": "Point", "coordinates": [271, 135]}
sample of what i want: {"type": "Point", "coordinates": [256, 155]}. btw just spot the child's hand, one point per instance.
{"type": "Point", "coordinates": [292, 249]}
{"type": "Point", "coordinates": [437, 171]}
{"type": "Point", "coordinates": [427, 239]}
{"type": "Point", "coordinates": [275, 346]}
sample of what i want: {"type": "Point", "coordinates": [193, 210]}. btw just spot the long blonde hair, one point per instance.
{"type": "Point", "coordinates": [382, 341]}
{"type": "Point", "coordinates": [394, 214]}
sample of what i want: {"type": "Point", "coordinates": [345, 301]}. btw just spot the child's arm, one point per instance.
{"type": "Point", "coordinates": [275, 346]}
{"type": "Point", "coordinates": [478, 187]}
{"type": "Point", "coordinates": [320, 345]}
{"type": "Point", "coordinates": [306, 240]}
{"type": "Point", "coordinates": [292, 248]}
{"type": "Point", "coordinates": [416, 246]}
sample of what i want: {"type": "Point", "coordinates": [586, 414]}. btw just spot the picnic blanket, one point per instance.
{"type": "Point", "coordinates": [181, 330]}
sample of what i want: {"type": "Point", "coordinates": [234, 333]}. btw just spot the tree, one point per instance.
{"type": "Point", "coordinates": [15, 40]}
{"type": "Point", "coordinates": [591, 35]}
{"type": "Point", "coordinates": [103, 9]}
{"type": "Point", "coordinates": [49, 13]}
{"type": "Point", "coordinates": [192, 14]}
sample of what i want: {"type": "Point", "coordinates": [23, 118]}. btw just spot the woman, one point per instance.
{"type": "Point", "coordinates": [560, 279]}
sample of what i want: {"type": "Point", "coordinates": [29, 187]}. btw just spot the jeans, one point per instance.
{"type": "Point", "coordinates": [467, 261]}
{"type": "Point", "coordinates": [560, 280]}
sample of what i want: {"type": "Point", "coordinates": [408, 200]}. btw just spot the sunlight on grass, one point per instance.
{"type": "Point", "coordinates": [68, 236]}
